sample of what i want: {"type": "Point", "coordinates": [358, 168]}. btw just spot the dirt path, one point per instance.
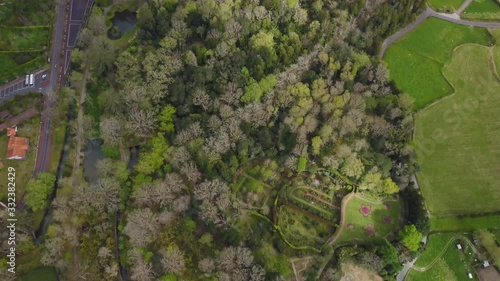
{"type": "Point", "coordinates": [454, 18]}
{"type": "Point", "coordinates": [79, 126]}
{"type": "Point", "coordinates": [342, 218]}
{"type": "Point", "coordinates": [463, 7]}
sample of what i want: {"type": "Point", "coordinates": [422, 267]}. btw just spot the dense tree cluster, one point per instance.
{"type": "Point", "coordinates": [204, 88]}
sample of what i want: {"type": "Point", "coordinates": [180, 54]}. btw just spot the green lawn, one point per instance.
{"type": "Point", "coordinates": [445, 5]}
{"type": "Point", "coordinates": [482, 10]}
{"type": "Point", "coordinates": [41, 273]}
{"type": "Point", "coordinates": [452, 266]}
{"type": "Point", "coordinates": [415, 61]}
{"type": "Point", "coordinates": [465, 224]}
{"type": "Point", "coordinates": [457, 139]}
{"type": "Point", "coordinates": [24, 38]}
{"type": "Point", "coordinates": [355, 222]}
{"type": "Point", "coordinates": [6, 63]}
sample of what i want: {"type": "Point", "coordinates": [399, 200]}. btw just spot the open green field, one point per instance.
{"type": "Point", "coordinates": [41, 273]}
{"type": "Point", "coordinates": [24, 38]}
{"type": "Point", "coordinates": [482, 10]}
{"type": "Point", "coordinates": [457, 139]}
{"type": "Point", "coordinates": [452, 224]}
{"type": "Point", "coordinates": [453, 265]}
{"type": "Point", "coordinates": [445, 5]}
{"type": "Point", "coordinates": [415, 61]}
{"type": "Point", "coordinates": [383, 218]}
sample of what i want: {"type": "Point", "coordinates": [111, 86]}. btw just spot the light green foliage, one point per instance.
{"type": "Point", "coordinates": [262, 39]}
{"type": "Point", "coordinates": [206, 239]}
{"type": "Point", "coordinates": [155, 156]}
{"type": "Point", "coordinates": [254, 90]}
{"type": "Point", "coordinates": [292, 3]}
{"type": "Point", "coordinates": [370, 181]}
{"type": "Point", "coordinates": [169, 277]}
{"type": "Point", "coordinates": [38, 191]}
{"type": "Point", "coordinates": [353, 167]}
{"type": "Point", "coordinates": [190, 225]}
{"type": "Point", "coordinates": [390, 187]}
{"type": "Point", "coordinates": [316, 144]}
{"type": "Point", "coordinates": [302, 164]}
{"type": "Point", "coordinates": [166, 118]}
{"type": "Point", "coordinates": [482, 10]}
{"type": "Point", "coordinates": [410, 237]}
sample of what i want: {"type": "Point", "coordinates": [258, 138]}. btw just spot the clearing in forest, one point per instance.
{"type": "Point", "coordinates": [482, 10]}
{"type": "Point", "coordinates": [442, 260]}
{"type": "Point", "coordinates": [368, 220]}
{"type": "Point", "coordinates": [458, 138]}
{"type": "Point", "coordinates": [416, 61]}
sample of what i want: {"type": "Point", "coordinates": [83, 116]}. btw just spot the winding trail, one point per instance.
{"type": "Point", "coordinates": [411, 265]}
{"type": "Point", "coordinates": [446, 247]}
{"type": "Point", "coordinates": [454, 18]}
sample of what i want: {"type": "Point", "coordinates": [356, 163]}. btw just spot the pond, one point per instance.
{"type": "Point", "coordinates": [122, 22]}
{"type": "Point", "coordinates": [92, 154]}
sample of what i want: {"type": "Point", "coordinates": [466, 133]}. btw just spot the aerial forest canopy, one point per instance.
{"type": "Point", "coordinates": [208, 88]}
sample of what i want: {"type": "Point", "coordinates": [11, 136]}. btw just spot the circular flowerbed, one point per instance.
{"type": "Point", "coordinates": [370, 230]}
{"type": "Point", "coordinates": [365, 210]}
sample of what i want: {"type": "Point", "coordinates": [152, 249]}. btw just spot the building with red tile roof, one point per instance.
{"type": "Point", "coordinates": [17, 146]}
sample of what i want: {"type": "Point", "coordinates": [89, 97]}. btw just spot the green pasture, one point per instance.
{"type": "Point", "coordinates": [416, 60]}
{"type": "Point", "coordinates": [445, 5]}
{"type": "Point", "coordinates": [482, 10]}
{"type": "Point", "coordinates": [457, 139]}
{"type": "Point", "coordinates": [24, 38]}
{"type": "Point", "coordinates": [452, 224]}
{"type": "Point", "coordinates": [378, 211]}
{"type": "Point", "coordinates": [453, 265]}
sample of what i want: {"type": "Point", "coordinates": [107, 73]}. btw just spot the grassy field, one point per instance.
{"type": "Point", "coordinates": [452, 224]}
{"type": "Point", "coordinates": [457, 139]}
{"type": "Point", "coordinates": [482, 10]}
{"type": "Point", "coordinates": [383, 217]}
{"type": "Point", "coordinates": [416, 60]}
{"type": "Point", "coordinates": [452, 266]}
{"type": "Point", "coordinates": [445, 5]}
{"type": "Point", "coordinates": [24, 38]}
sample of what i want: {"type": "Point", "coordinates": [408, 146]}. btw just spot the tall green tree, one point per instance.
{"type": "Point", "coordinates": [410, 237]}
{"type": "Point", "coordinates": [38, 191]}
